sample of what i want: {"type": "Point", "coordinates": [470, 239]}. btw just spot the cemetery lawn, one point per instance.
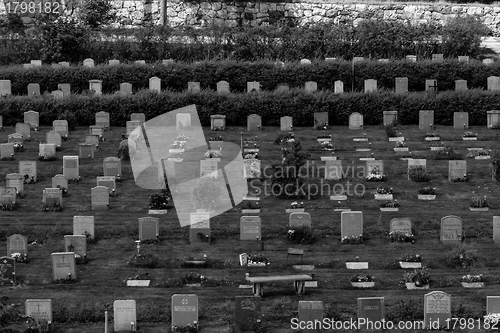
{"type": "Point", "coordinates": [80, 307]}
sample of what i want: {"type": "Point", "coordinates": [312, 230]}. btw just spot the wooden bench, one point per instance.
{"type": "Point", "coordinates": [298, 282]}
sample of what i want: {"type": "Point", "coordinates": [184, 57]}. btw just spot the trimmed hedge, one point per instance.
{"type": "Point", "coordinates": [176, 76]}
{"type": "Point", "coordinates": [80, 110]}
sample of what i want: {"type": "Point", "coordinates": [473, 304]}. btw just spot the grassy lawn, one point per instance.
{"type": "Point", "coordinates": [80, 307]}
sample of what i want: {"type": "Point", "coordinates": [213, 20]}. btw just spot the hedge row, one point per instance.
{"type": "Point", "coordinates": [80, 110]}
{"type": "Point", "coordinates": [176, 76]}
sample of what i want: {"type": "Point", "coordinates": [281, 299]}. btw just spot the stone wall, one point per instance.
{"type": "Point", "coordinates": [180, 13]}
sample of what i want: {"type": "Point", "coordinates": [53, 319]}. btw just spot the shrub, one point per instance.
{"type": "Point", "coordinates": [390, 131]}
{"type": "Point", "coordinates": [460, 256]}
{"type": "Point", "coordinates": [97, 13]}
{"type": "Point", "coordinates": [300, 235]}
{"type": "Point", "coordinates": [418, 174]}
{"type": "Point", "coordinates": [145, 260]}
{"type": "Point", "coordinates": [160, 200]}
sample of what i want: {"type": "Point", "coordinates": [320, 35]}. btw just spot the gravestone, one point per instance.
{"type": "Point", "coordinates": [54, 137]}
{"type": "Point", "coordinates": [5, 88]}
{"type": "Point", "coordinates": [217, 122]}
{"type": "Point", "coordinates": [28, 168]}
{"type": "Point", "coordinates": [76, 244]}
{"type": "Point", "coordinates": [24, 129]}
{"type": "Point", "coordinates": [375, 167]}
{"type": "Point", "coordinates": [253, 86]}
{"type": "Point", "coordinates": [333, 169]}
{"type": "Point", "coordinates": [184, 310]}
{"type": "Point", "coordinates": [437, 309]}
{"type": "Point", "coordinates": [351, 224]}
{"type": "Point", "coordinates": [125, 89]}
{"type": "Point", "coordinates": [8, 268]}
{"type": "Point", "coordinates": [460, 120]}
{"type": "Point", "coordinates": [86, 150]}
{"type": "Point", "coordinates": [320, 119]}
{"type": "Point", "coordinates": [6, 150]}
{"type": "Point", "coordinates": [125, 316]}
{"type": "Point", "coordinates": [58, 94]}
{"type": "Point", "coordinates": [251, 168]}
{"type": "Point", "coordinates": [71, 168]}
{"type": "Point", "coordinates": [390, 117]}
{"type": "Point", "coordinates": [250, 228]}
{"type": "Point", "coordinates": [254, 122]}
{"type": "Point", "coordinates": [493, 83]}
{"type": "Point", "coordinates": [33, 89]}
{"type": "Point", "coordinates": [112, 166]}
{"type": "Point", "coordinates": [65, 88]}
{"type": "Point", "coordinates": [88, 63]}
{"type": "Point", "coordinates": [84, 225]}
{"type": "Point", "coordinates": [52, 196]}
{"type": "Point", "coordinates": [36, 63]}
{"type": "Point", "coordinates": [15, 138]}
{"type": "Point", "coordinates": [149, 228]}
{"type": "Point", "coordinates": [15, 180]}
{"type": "Point", "coordinates": [247, 313]}
{"type": "Point", "coordinates": [370, 85]}
{"type": "Point", "coordinates": [493, 118]}
{"type": "Point", "coordinates": [194, 87]}
{"type": "Point", "coordinates": [460, 85]}
{"type": "Point", "coordinates": [411, 58]}
{"type": "Point", "coordinates": [426, 119]}
{"type": "Point", "coordinates": [310, 311]}
{"type": "Point", "coordinates": [102, 119]}
{"type": "Point", "coordinates": [357, 59]}
{"type": "Point", "coordinates": [183, 122]}
{"type": "Point", "coordinates": [492, 304]}
{"type": "Point", "coordinates": [370, 309]}
{"type": "Point", "coordinates": [100, 198]}
{"type": "Point", "coordinates": [431, 85]}
{"type": "Point", "coordinates": [463, 59]}
{"type": "Point", "coordinates": [311, 86]}
{"type": "Point", "coordinates": [96, 130]}
{"type": "Point", "coordinates": [223, 87]}
{"type": "Point", "coordinates": [402, 225]}
{"type": "Point", "coordinates": [451, 229]}
{"type": "Point", "coordinates": [40, 310]}
{"type": "Point", "coordinates": [305, 62]}
{"type": "Point", "coordinates": [60, 126]}
{"type": "Point", "coordinates": [113, 62]}
{"type": "Point", "coordinates": [95, 86]}
{"type": "Point", "coordinates": [456, 169]}
{"type": "Point", "coordinates": [299, 220]}
{"type": "Point", "coordinates": [8, 195]}
{"type": "Point", "coordinates": [60, 181]}
{"type": "Point", "coordinates": [155, 84]}
{"type": "Point", "coordinates": [140, 62]}
{"type": "Point", "coordinates": [63, 265]}
{"type": "Point", "coordinates": [64, 63]}
{"type": "Point", "coordinates": [109, 182]}
{"type": "Point", "coordinates": [401, 86]}
{"type": "Point", "coordinates": [438, 58]}
{"type": "Point", "coordinates": [282, 87]}
{"type": "Point", "coordinates": [138, 117]}
{"type": "Point", "coordinates": [167, 62]}
{"type": "Point", "coordinates": [496, 229]}
{"type": "Point", "coordinates": [32, 118]}
{"type": "Point", "coordinates": [355, 121]}
{"type": "Point", "coordinates": [131, 125]}
{"type": "Point", "coordinates": [338, 87]}
{"type": "Point", "coordinates": [47, 150]}
{"type": "Point", "coordinates": [17, 244]}
{"type": "Point", "coordinates": [208, 168]}
{"type": "Point", "coordinates": [286, 123]}
{"type": "Point", "coordinates": [199, 227]}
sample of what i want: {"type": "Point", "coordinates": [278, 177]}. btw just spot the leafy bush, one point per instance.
{"type": "Point", "coordinates": [160, 200]}
{"type": "Point", "coordinates": [390, 131]}
{"type": "Point", "coordinates": [418, 174]}
{"type": "Point", "coordinates": [145, 260]}
{"type": "Point", "coordinates": [97, 13]}
{"type": "Point", "coordinates": [300, 235]}
{"type": "Point", "coordinates": [461, 256]}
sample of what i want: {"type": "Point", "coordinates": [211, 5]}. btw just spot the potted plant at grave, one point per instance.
{"type": "Point", "coordinates": [185, 329]}
{"type": "Point", "coordinates": [19, 257]}
{"type": "Point", "coordinates": [123, 153]}
{"type": "Point", "coordinates": [46, 157]}
{"type": "Point", "coordinates": [284, 138]}
{"type": "Point", "coordinates": [214, 140]}
{"type": "Point", "coordinates": [432, 137]}
{"type": "Point", "coordinates": [295, 206]}
{"type": "Point", "coordinates": [193, 280]}
{"type": "Point", "coordinates": [213, 154]}
{"type": "Point", "coordinates": [177, 145]}
{"type": "Point", "coordinates": [89, 238]}
{"type": "Point", "coordinates": [389, 206]}
{"type": "Point", "coordinates": [327, 145]}
{"type": "Point", "coordinates": [480, 154]}
{"type": "Point", "coordinates": [80, 259]}
{"type": "Point", "coordinates": [302, 235]}
{"type": "Point", "coordinates": [400, 146]}
{"type": "Point", "coordinates": [362, 281]}
{"type": "Point", "coordinates": [410, 261]}
{"type": "Point", "coordinates": [251, 207]}
{"type": "Point", "coordinates": [182, 138]}
{"type": "Point", "coordinates": [251, 156]}
{"type": "Point", "coordinates": [427, 193]}
{"type": "Point", "coordinates": [29, 179]}
{"type": "Point", "coordinates": [206, 193]}
{"type": "Point", "coordinates": [401, 237]}
{"type": "Point", "coordinates": [52, 207]}
{"type": "Point", "coordinates": [64, 191]}
{"type": "Point", "coordinates": [159, 201]}
{"type": "Point", "coordinates": [479, 204]}
{"type": "Point", "coordinates": [8, 206]}
{"type": "Point", "coordinates": [257, 261]}
{"type": "Point", "coordinates": [18, 147]}
{"type": "Point", "coordinates": [418, 174]}
{"type": "Point", "coordinates": [352, 240]}
{"type": "Point", "coordinates": [384, 193]}
{"type": "Point", "coordinates": [469, 136]}
{"type": "Point", "coordinates": [473, 281]}
{"type": "Point", "coordinates": [418, 279]}
{"type": "Point", "coordinates": [37, 326]}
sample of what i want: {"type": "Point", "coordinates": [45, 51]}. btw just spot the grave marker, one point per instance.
{"type": "Point", "coordinates": [320, 120]}
{"type": "Point", "coordinates": [54, 137]}
{"type": "Point", "coordinates": [28, 168]}
{"type": "Point", "coordinates": [375, 167]}
{"type": "Point", "coordinates": [311, 86]}
{"type": "Point", "coordinates": [24, 129]}
{"type": "Point", "coordinates": [113, 62]}
{"type": "Point", "coordinates": [247, 312]}
{"type": "Point", "coordinates": [40, 310]}
{"type": "Point", "coordinates": [305, 62]}
{"type": "Point", "coordinates": [60, 126]}
{"type": "Point", "coordinates": [8, 195]}
{"type": "Point", "coordinates": [223, 87]}
{"type": "Point", "coordinates": [32, 118]}
{"type": "Point", "coordinates": [88, 63]}
{"type": "Point", "coordinates": [493, 83]}
{"type": "Point", "coordinates": [431, 85]}
{"type": "Point", "coordinates": [253, 86]}
{"type": "Point", "coordinates": [370, 85]}
{"type": "Point", "coordinates": [17, 243]}
{"type": "Point", "coordinates": [63, 265]}
{"type": "Point", "coordinates": [402, 225]}
{"type": "Point", "coordinates": [251, 169]}
{"type": "Point", "coordinates": [184, 310]}
{"type": "Point", "coordinates": [310, 311]}
{"type": "Point", "coordinates": [351, 224]}
{"type": "Point", "coordinates": [492, 304]}
{"type": "Point", "coordinates": [65, 88]}
{"type": "Point", "coordinates": [355, 121]}
{"type": "Point", "coordinates": [131, 126]}
{"type": "Point", "coordinates": [46, 150]}
{"type": "Point", "coordinates": [338, 87]}
{"type": "Point", "coordinates": [15, 180]}
{"type": "Point", "coordinates": [390, 117]}
{"type": "Point", "coordinates": [95, 86]}
{"type": "Point", "coordinates": [76, 244]}
{"type": "Point", "coordinates": [5, 88]}
{"type": "Point", "coordinates": [282, 87]}
{"type": "Point", "coordinates": [437, 309]}
{"type": "Point", "coordinates": [6, 150]}
{"type": "Point", "coordinates": [71, 169]}
{"type": "Point", "coordinates": [59, 181]}
{"type": "Point", "coordinates": [102, 119]}
{"type": "Point", "coordinates": [460, 85]}
{"type": "Point", "coordinates": [333, 169]}
{"type": "Point", "coordinates": [33, 89]}
{"type": "Point", "coordinates": [125, 89]}
{"type": "Point", "coordinates": [286, 123]}
{"type": "Point", "coordinates": [138, 117]}
{"type": "Point", "coordinates": [112, 166]}
{"type": "Point", "coordinates": [125, 315]}
{"type": "Point", "coordinates": [57, 94]}
{"type": "Point", "coordinates": [149, 228]}
{"type": "Point", "coordinates": [460, 120]}
{"type": "Point", "coordinates": [457, 169]}
{"type": "Point", "coordinates": [8, 268]}
{"type": "Point", "coordinates": [208, 167]}
{"type": "Point", "coordinates": [199, 230]}
{"type": "Point", "coordinates": [414, 162]}
{"type": "Point", "coordinates": [451, 229]}
{"type": "Point", "coordinates": [52, 196]}
{"type": "Point", "coordinates": [155, 84]}
{"type": "Point", "coordinates": [463, 59]}
{"type": "Point", "coordinates": [401, 85]}
{"type": "Point", "coordinates": [86, 150]}
{"type": "Point", "coordinates": [250, 228]}
{"type": "Point", "coordinates": [254, 122]}
{"type": "Point", "coordinates": [194, 87]}
{"type": "Point", "coordinates": [15, 138]}
{"type": "Point", "coordinates": [217, 122]}
{"type": "Point", "coordinates": [496, 229]}
{"type": "Point", "coordinates": [426, 119]}
{"type": "Point", "coordinates": [183, 122]}
{"type": "Point", "coordinates": [100, 198]}
{"type": "Point", "coordinates": [84, 225]}
{"type": "Point", "coordinates": [493, 118]}
{"type": "Point", "coordinates": [411, 58]}
{"type": "Point", "coordinates": [109, 182]}
{"type": "Point", "coordinates": [371, 309]}
{"type": "Point", "coordinates": [299, 220]}
{"type": "Point", "coordinates": [438, 58]}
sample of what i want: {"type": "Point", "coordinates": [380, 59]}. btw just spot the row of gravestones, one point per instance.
{"type": "Point", "coordinates": [370, 85]}
{"type": "Point", "coordinates": [248, 313]}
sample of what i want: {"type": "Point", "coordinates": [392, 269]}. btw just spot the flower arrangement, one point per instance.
{"type": "Point", "coordinates": [140, 276]}
{"type": "Point", "coordinates": [475, 153]}
{"type": "Point", "coordinates": [327, 145]}
{"type": "Point", "coordinates": [478, 202]}
{"type": "Point", "coordinates": [192, 278]}
{"type": "Point", "coordinates": [418, 174]}
{"type": "Point", "coordinates": [390, 204]}
{"type": "Point", "coordinates": [469, 134]}
{"type": "Point", "coordinates": [182, 137]}
{"type": "Point", "coordinates": [160, 200]}
{"type": "Point", "coordinates": [19, 257]}
{"type": "Point", "coordinates": [89, 238]}
{"type": "Point", "coordinates": [52, 207]}
{"type": "Point", "coordinates": [419, 276]}
{"type": "Point", "coordinates": [401, 237]}
{"type": "Point", "coordinates": [374, 177]}
{"type": "Point", "coordinates": [352, 240]}
{"type": "Point", "coordinates": [296, 205]}
{"type": "Point", "coordinates": [46, 157]}
{"type": "Point", "coordinates": [215, 138]}
{"type": "Point", "coordinates": [362, 278]}
{"type": "Point", "coordinates": [384, 190]}
{"type": "Point", "coordinates": [8, 206]}
{"type": "Point", "coordinates": [427, 191]}
{"type": "Point", "coordinates": [460, 179]}
{"type": "Point", "coordinates": [411, 258]}
{"type": "Point", "coordinates": [213, 154]}
{"type": "Point", "coordinates": [178, 145]}
{"type": "Point", "coordinates": [254, 139]}
{"type": "Point", "coordinates": [299, 235]}
{"type": "Point", "coordinates": [491, 319]}
{"type": "Point", "coordinates": [472, 278]}
{"type": "Point", "coordinates": [29, 179]}
{"type": "Point", "coordinates": [18, 147]}
{"type": "Point", "coordinates": [251, 156]}
{"type": "Point", "coordinates": [400, 144]}
{"type": "Point", "coordinates": [257, 260]}
{"type": "Point", "coordinates": [185, 329]}
{"type": "Point", "coordinates": [64, 190]}
{"type": "Point", "coordinates": [431, 135]}
{"type": "Point", "coordinates": [390, 131]}
{"type": "Point", "coordinates": [321, 127]}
